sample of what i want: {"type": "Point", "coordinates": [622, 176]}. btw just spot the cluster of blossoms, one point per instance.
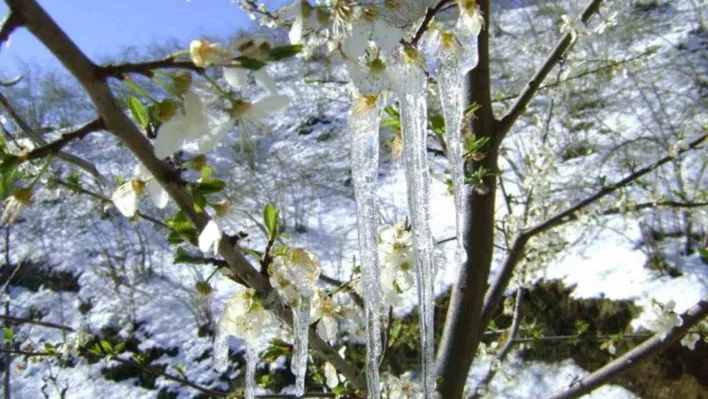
{"type": "Point", "coordinates": [397, 262]}
{"type": "Point", "coordinates": [403, 387]}
{"type": "Point", "coordinates": [664, 318]}
{"type": "Point", "coordinates": [294, 273]}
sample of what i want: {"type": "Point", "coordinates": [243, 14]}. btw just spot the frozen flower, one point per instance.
{"type": "Point", "coordinates": [325, 310]}
{"type": "Point", "coordinates": [189, 123]}
{"type": "Point", "coordinates": [404, 387]}
{"type": "Point", "coordinates": [471, 19]}
{"type": "Point", "coordinates": [126, 197]}
{"type": "Point", "coordinates": [304, 22]}
{"type": "Point", "coordinates": [665, 319]}
{"type": "Point", "coordinates": [20, 199]}
{"type": "Point", "coordinates": [370, 26]}
{"type": "Point", "coordinates": [205, 53]}
{"type": "Point", "coordinates": [224, 216]}
{"type": "Point", "coordinates": [689, 340]}
{"type": "Point", "coordinates": [372, 78]}
{"type": "Point", "coordinates": [301, 268]}
{"type": "Point", "coordinates": [243, 111]}
{"type": "Point", "coordinates": [397, 262]}
{"type": "Point", "coordinates": [244, 317]}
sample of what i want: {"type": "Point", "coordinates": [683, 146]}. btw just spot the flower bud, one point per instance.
{"type": "Point", "coordinates": [203, 288]}
{"type": "Point", "coordinates": [182, 80]}
{"type": "Point", "coordinates": [166, 110]}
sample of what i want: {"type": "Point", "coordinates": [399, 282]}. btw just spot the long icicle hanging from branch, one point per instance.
{"type": "Point", "coordinates": [455, 62]}
{"type": "Point", "coordinates": [414, 121]}
{"type": "Point", "coordinates": [363, 123]}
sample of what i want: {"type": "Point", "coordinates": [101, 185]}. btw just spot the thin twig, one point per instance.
{"type": "Point", "coordinates": [19, 320]}
{"type": "Point", "coordinates": [425, 23]}
{"type": "Point", "coordinates": [145, 68]}
{"type": "Point", "coordinates": [66, 137]}
{"type": "Point", "coordinates": [7, 26]}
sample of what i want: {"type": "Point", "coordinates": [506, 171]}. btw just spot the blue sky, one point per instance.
{"type": "Point", "coordinates": [104, 27]}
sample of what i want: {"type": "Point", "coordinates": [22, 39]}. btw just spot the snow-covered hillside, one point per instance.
{"type": "Point", "coordinates": [78, 262]}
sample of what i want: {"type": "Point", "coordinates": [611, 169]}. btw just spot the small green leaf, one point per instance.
{"type": "Point", "coordinates": [138, 110]}
{"type": "Point", "coordinates": [49, 348]}
{"type": "Point", "coordinates": [119, 347]}
{"type": "Point", "coordinates": [270, 217]}
{"type": "Point", "coordinates": [137, 89]}
{"type": "Point", "coordinates": [250, 63]}
{"type": "Point", "coordinates": [281, 52]}
{"type": "Point", "coordinates": [106, 346]}
{"type": "Point", "coordinates": [209, 186]}
{"type": "Point", "coordinates": [9, 335]}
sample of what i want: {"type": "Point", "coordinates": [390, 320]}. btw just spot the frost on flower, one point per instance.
{"type": "Point", "coordinates": [324, 310]}
{"type": "Point", "coordinates": [244, 317]}
{"type": "Point", "coordinates": [665, 319]}
{"type": "Point", "coordinates": [188, 123]}
{"type": "Point", "coordinates": [404, 387]}
{"type": "Point", "coordinates": [301, 268]}
{"type": "Point", "coordinates": [370, 26]}
{"type": "Point", "coordinates": [20, 199]}
{"type": "Point", "coordinates": [331, 378]}
{"type": "Point", "coordinates": [471, 20]}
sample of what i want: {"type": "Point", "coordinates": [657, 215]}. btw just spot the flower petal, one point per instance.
{"type": "Point", "coordinates": [170, 137]}
{"type": "Point", "coordinates": [158, 194]}
{"type": "Point", "coordinates": [236, 77]}
{"type": "Point", "coordinates": [387, 36]}
{"type": "Point", "coordinates": [126, 200]}
{"type": "Point", "coordinates": [210, 140]}
{"type": "Point", "coordinates": [209, 237]}
{"type": "Point", "coordinates": [267, 105]}
{"type": "Point", "coordinates": [354, 46]}
{"type": "Point", "coordinates": [266, 81]}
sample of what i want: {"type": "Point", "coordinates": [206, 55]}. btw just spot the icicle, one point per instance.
{"type": "Point", "coordinates": [251, 362]}
{"type": "Point", "coordinates": [301, 324]}
{"type": "Point", "coordinates": [364, 131]}
{"type": "Point", "coordinates": [414, 124]}
{"type": "Point", "coordinates": [450, 85]}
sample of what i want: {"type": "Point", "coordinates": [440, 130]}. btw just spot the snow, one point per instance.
{"type": "Point", "coordinates": [125, 269]}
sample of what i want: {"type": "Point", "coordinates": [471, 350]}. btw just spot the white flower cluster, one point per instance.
{"type": "Point", "coordinates": [664, 319]}
{"type": "Point", "coordinates": [403, 387]}
{"type": "Point", "coordinates": [244, 317]}
{"type": "Point", "coordinates": [294, 272]}
{"type": "Point", "coordinates": [397, 262]}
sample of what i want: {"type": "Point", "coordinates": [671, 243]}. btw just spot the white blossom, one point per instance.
{"type": "Point", "coordinates": [189, 123]}
{"type": "Point", "coordinates": [608, 22]}
{"type": "Point", "coordinates": [689, 340]}
{"type": "Point", "coordinates": [665, 319]}
{"type": "Point", "coordinates": [20, 199]}
{"type": "Point", "coordinates": [204, 53]}
{"type": "Point", "coordinates": [331, 378]}
{"type": "Point", "coordinates": [397, 262]}
{"type": "Point", "coordinates": [126, 197]}
{"type": "Point", "coordinates": [325, 310]}
{"type": "Point", "coordinates": [404, 387]}
{"type": "Point", "coordinates": [370, 26]}
{"type": "Point", "coordinates": [225, 216]}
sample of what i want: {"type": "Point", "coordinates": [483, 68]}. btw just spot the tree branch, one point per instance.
{"type": "Point", "coordinates": [430, 13]}
{"type": "Point", "coordinates": [145, 68]}
{"type": "Point", "coordinates": [81, 163]}
{"type": "Point", "coordinates": [19, 320]}
{"type": "Point", "coordinates": [496, 291]}
{"type": "Point", "coordinates": [66, 138]}
{"type": "Point", "coordinates": [648, 348]}
{"type": "Point", "coordinates": [533, 85]}
{"type": "Point", "coordinates": [7, 26]}
{"type": "Point", "coordinates": [87, 73]}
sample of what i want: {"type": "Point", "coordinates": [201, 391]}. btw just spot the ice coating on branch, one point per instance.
{"type": "Point", "coordinates": [301, 324]}
{"type": "Point", "coordinates": [414, 122]}
{"type": "Point", "coordinates": [364, 131]}
{"type": "Point", "coordinates": [251, 362]}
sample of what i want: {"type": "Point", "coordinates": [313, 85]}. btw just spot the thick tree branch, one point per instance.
{"type": "Point", "coordinates": [25, 127]}
{"type": "Point", "coordinates": [496, 291]}
{"type": "Point", "coordinates": [648, 348]}
{"type": "Point", "coordinates": [145, 68]}
{"type": "Point", "coordinates": [87, 73]}
{"type": "Point", "coordinates": [460, 338]}
{"type": "Point", "coordinates": [67, 136]}
{"type": "Point", "coordinates": [533, 85]}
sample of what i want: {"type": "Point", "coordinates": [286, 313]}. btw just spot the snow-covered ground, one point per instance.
{"type": "Point", "coordinates": [300, 163]}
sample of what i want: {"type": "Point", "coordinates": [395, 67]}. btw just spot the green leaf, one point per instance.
{"type": "Point", "coordinates": [49, 348]}
{"type": "Point", "coordinates": [281, 52]}
{"type": "Point", "coordinates": [138, 110]}
{"type": "Point", "coordinates": [9, 335]}
{"type": "Point", "coordinates": [184, 257]}
{"type": "Point", "coordinates": [250, 63]}
{"type": "Point", "coordinates": [209, 186]}
{"type": "Point", "coordinates": [137, 89]}
{"type": "Point", "coordinates": [270, 217]}
{"type": "Point", "coordinates": [106, 346]}
{"type": "Point", "coordinates": [437, 124]}
{"type": "Point", "coordinates": [119, 347]}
